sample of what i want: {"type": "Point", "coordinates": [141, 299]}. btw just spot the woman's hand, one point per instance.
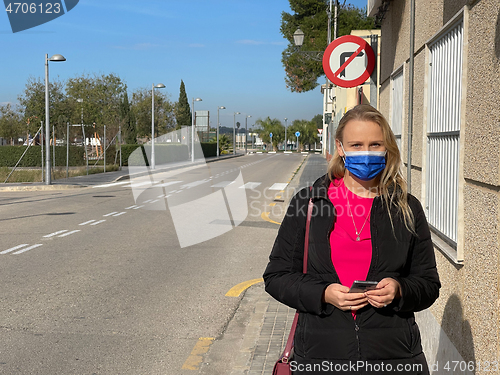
{"type": "Point", "coordinates": [339, 296]}
{"type": "Point", "coordinates": [387, 290]}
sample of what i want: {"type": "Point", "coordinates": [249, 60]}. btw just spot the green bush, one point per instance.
{"type": "Point", "coordinates": [164, 153]}
{"type": "Point", "coordinates": [9, 155]}
{"type": "Point", "coordinates": [209, 149]}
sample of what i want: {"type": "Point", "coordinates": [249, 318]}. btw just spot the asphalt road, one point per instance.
{"type": "Point", "coordinates": [97, 282]}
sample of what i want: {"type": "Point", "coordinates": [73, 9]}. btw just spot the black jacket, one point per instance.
{"type": "Point", "coordinates": [326, 332]}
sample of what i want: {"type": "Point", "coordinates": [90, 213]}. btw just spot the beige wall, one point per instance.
{"type": "Point", "coordinates": [465, 321]}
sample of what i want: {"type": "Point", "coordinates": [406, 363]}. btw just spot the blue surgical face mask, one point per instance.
{"type": "Point", "coordinates": [365, 165]}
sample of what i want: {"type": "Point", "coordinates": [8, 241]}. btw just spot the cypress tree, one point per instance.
{"type": "Point", "coordinates": [182, 109]}
{"type": "Point", "coordinates": [130, 134]}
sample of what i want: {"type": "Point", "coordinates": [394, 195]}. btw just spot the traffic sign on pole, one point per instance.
{"type": "Point", "coordinates": [297, 134]}
{"type": "Point", "coordinates": [348, 61]}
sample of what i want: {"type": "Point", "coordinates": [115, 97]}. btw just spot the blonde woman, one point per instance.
{"type": "Point", "coordinates": [365, 226]}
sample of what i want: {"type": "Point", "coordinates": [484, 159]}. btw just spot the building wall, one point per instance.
{"type": "Point", "coordinates": [464, 323]}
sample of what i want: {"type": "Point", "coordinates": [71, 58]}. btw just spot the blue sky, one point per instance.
{"type": "Point", "coordinates": [228, 52]}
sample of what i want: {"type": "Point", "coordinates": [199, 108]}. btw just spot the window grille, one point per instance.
{"type": "Point", "coordinates": [443, 132]}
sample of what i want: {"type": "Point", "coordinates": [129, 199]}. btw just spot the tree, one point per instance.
{"type": "Point", "coordinates": [182, 110]}
{"type": "Point", "coordinates": [318, 120]}
{"type": "Point", "coordinates": [302, 72]}
{"type": "Point", "coordinates": [32, 104]}
{"type": "Point", "coordinates": [127, 121]}
{"type": "Point", "coordinates": [268, 126]}
{"type": "Point", "coordinates": [141, 109]}
{"type": "Point", "coordinates": [102, 98]}
{"type": "Point", "coordinates": [308, 132]}
{"type": "Point", "coordinates": [11, 123]}
{"type": "Point", "coordinates": [224, 142]}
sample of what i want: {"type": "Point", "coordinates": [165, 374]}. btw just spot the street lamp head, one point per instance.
{"type": "Point", "coordinates": [160, 86]}
{"type": "Point", "coordinates": [197, 100]}
{"type": "Point", "coordinates": [249, 116]}
{"type": "Point", "coordinates": [298, 37]}
{"type": "Point", "coordinates": [237, 113]}
{"type": "Point", "coordinates": [222, 107]}
{"type": "Point", "coordinates": [286, 119]}
{"type": "Point", "coordinates": [57, 57]}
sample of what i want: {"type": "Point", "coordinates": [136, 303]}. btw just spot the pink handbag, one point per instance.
{"type": "Point", "coordinates": [282, 365]}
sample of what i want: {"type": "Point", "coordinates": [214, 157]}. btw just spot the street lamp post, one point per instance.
{"type": "Point", "coordinates": [192, 127]}
{"type": "Point", "coordinates": [286, 141]}
{"type": "Point", "coordinates": [153, 87]}
{"type": "Point", "coordinates": [246, 132]}
{"type": "Point", "coordinates": [47, 125]}
{"type": "Point", "coordinates": [84, 139]}
{"type": "Point", "coordinates": [218, 124]}
{"type": "Point", "coordinates": [234, 132]}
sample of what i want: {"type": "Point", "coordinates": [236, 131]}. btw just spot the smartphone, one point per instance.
{"type": "Point", "coordinates": [362, 286]}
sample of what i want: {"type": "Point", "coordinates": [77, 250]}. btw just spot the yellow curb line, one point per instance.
{"type": "Point", "coordinates": [193, 362]}
{"type": "Point", "coordinates": [236, 290]}
{"type": "Point", "coordinates": [265, 216]}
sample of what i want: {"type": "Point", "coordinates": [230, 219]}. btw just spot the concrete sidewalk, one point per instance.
{"type": "Point", "coordinates": [99, 178]}
{"type": "Point", "coordinates": [270, 321]}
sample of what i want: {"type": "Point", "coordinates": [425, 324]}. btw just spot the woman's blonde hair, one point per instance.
{"type": "Point", "coordinates": [392, 185]}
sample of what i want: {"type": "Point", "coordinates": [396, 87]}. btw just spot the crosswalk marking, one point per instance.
{"type": "Point", "coordinates": [250, 185]}
{"type": "Point", "coordinates": [119, 214]}
{"type": "Point", "coordinates": [98, 222]}
{"type": "Point", "coordinates": [28, 248]}
{"type": "Point", "coordinates": [13, 248]}
{"type": "Point", "coordinates": [278, 186]}
{"type": "Point", "coordinates": [111, 213]}
{"type": "Point", "coordinates": [128, 208]}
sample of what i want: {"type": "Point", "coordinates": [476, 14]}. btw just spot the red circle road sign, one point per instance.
{"type": "Point", "coordinates": [348, 61]}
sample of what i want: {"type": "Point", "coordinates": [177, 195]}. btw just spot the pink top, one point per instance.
{"type": "Point", "coordinates": [350, 258]}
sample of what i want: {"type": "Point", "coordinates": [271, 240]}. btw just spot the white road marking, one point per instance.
{"type": "Point", "coordinates": [250, 185]}
{"type": "Point", "coordinates": [195, 183]}
{"type": "Point", "coordinates": [161, 196]}
{"type": "Point", "coordinates": [69, 233]}
{"type": "Point", "coordinates": [55, 233]}
{"type": "Point", "coordinates": [111, 213]}
{"type": "Point", "coordinates": [98, 222]}
{"type": "Point", "coordinates": [136, 208]}
{"type": "Point", "coordinates": [278, 186]}
{"type": "Point", "coordinates": [149, 200]}
{"type": "Point", "coordinates": [140, 184]}
{"type": "Point", "coordinates": [119, 214]}
{"type": "Point", "coordinates": [165, 184]}
{"type": "Point", "coordinates": [128, 208]}
{"type": "Point", "coordinates": [13, 248]}
{"type": "Point", "coordinates": [156, 200]}
{"type": "Point", "coordinates": [112, 184]}
{"type": "Point", "coordinates": [28, 248]}
{"type": "Point", "coordinates": [223, 184]}
{"type": "Point", "coordinates": [87, 222]}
